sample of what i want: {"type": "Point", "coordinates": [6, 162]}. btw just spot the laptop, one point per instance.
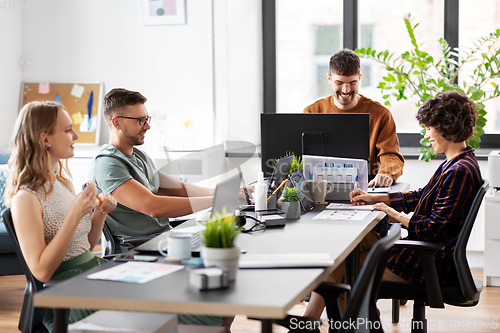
{"type": "Point", "coordinates": [226, 196]}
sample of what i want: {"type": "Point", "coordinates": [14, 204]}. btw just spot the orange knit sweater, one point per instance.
{"type": "Point", "coordinates": [385, 157]}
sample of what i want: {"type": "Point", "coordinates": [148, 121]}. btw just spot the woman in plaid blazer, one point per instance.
{"type": "Point", "coordinates": [436, 212]}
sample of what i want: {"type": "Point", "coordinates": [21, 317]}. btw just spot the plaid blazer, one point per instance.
{"type": "Point", "coordinates": [440, 209]}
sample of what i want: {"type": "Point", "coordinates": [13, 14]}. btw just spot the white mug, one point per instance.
{"type": "Point", "coordinates": [319, 189]}
{"type": "Point", "coordinates": [178, 246]}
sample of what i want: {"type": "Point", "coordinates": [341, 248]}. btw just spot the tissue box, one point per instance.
{"type": "Point", "coordinates": [213, 277]}
{"type": "Point", "coordinates": [125, 321]}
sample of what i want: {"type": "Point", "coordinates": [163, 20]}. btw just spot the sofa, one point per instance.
{"type": "Point", "coordinates": [9, 264]}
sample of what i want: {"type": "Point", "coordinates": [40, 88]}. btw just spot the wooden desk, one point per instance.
{"type": "Point", "coordinates": [261, 293]}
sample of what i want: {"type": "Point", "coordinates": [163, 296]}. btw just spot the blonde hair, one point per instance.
{"type": "Point", "coordinates": [29, 163]}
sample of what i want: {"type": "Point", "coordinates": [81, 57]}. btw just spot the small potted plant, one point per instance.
{"type": "Point", "coordinates": [290, 203]}
{"type": "Point", "coordinates": [219, 243]}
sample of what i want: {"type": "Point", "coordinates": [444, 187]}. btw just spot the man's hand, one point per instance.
{"type": "Point", "coordinates": [381, 180]}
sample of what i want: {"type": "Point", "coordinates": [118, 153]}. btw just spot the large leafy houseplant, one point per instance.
{"type": "Point", "coordinates": [415, 72]}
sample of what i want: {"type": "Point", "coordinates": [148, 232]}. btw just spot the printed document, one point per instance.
{"type": "Point", "coordinates": [135, 272]}
{"type": "Point", "coordinates": [338, 215]}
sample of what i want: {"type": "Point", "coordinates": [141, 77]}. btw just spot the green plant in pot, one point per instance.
{"type": "Point", "coordinates": [417, 73]}
{"type": "Point", "coordinates": [219, 243]}
{"type": "Point", "coordinates": [290, 203]}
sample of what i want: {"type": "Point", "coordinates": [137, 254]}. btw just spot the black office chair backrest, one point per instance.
{"type": "Point", "coordinates": [31, 318]}
{"type": "Point", "coordinates": [363, 297]}
{"type": "Point", "coordinates": [469, 288]}
{"type": "Point", "coordinates": [110, 247]}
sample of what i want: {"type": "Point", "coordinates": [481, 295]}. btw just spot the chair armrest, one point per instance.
{"type": "Point", "coordinates": [426, 251]}
{"type": "Point", "coordinates": [330, 292]}
{"type": "Point", "coordinates": [419, 245]}
{"type": "Point", "coordinates": [332, 287]}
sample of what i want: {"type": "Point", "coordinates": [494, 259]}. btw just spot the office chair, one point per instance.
{"type": "Point", "coordinates": [431, 293]}
{"type": "Point", "coordinates": [361, 305]}
{"type": "Point", "coordinates": [31, 318]}
{"type": "Point", "coordinates": [111, 247]}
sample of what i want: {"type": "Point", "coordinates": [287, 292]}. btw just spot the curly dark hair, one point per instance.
{"type": "Point", "coordinates": [119, 98]}
{"type": "Point", "coordinates": [451, 113]}
{"type": "Point", "coordinates": [345, 63]}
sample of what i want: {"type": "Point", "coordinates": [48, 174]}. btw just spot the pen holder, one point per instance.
{"type": "Point", "coordinates": [272, 202]}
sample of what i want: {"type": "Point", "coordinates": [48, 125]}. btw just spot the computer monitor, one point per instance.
{"type": "Point", "coordinates": [325, 134]}
{"type": "Point", "coordinates": [280, 171]}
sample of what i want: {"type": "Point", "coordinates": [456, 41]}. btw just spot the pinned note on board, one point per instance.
{"type": "Point", "coordinates": [77, 118]}
{"type": "Point", "coordinates": [77, 90]}
{"type": "Point", "coordinates": [58, 99]}
{"type": "Point", "coordinates": [44, 88]}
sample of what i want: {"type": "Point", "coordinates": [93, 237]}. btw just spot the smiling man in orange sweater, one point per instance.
{"type": "Point", "coordinates": [386, 162]}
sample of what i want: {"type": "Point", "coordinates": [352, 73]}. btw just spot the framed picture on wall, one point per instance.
{"type": "Point", "coordinates": [160, 12]}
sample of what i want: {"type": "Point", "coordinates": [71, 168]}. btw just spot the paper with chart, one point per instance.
{"type": "Point", "coordinates": [345, 206]}
{"type": "Point", "coordinates": [135, 272]}
{"type": "Point", "coordinates": [342, 215]}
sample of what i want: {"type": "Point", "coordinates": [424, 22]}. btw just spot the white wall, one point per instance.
{"type": "Point", "coordinates": [10, 71]}
{"type": "Point", "coordinates": [172, 65]}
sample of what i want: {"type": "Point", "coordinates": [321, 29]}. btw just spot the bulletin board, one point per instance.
{"type": "Point", "coordinates": [82, 100]}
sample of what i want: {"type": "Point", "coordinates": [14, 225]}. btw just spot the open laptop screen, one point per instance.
{"type": "Point", "coordinates": [226, 195]}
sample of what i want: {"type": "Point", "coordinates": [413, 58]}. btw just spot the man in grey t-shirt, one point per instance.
{"type": "Point", "coordinates": [146, 197]}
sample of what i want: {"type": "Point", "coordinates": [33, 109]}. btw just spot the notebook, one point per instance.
{"type": "Point", "coordinates": [226, 196]}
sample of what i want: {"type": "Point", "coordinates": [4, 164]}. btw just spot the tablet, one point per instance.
{"type": "Point", "coordinates": [299, 182]}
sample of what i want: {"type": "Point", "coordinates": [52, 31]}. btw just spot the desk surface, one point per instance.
{"type": "Point", "coordinates": [263, 293]}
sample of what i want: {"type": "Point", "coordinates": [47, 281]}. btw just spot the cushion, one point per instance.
{"type": "Point", "coordinates": [4, 173]}
{"type": "Point", "coordinates": [5, 244]}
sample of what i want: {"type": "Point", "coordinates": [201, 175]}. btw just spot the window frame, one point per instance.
{"type": "Point", "coordinates": [350, 39]}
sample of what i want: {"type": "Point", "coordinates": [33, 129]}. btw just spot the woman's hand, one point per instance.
{"type": "Point", "coordinates": [108, 203]}
{"type": "Point", "coordinates": [400, 217]}
{"type": "Point", "coordinates": [84, 202]}
{"type": "Point", "coordinates": [360, 197]}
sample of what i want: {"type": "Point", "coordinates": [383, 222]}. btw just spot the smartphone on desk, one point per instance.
{"type": "Point", "coordinates": [128, 257]}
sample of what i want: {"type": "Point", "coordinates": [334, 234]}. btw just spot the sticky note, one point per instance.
{"type": "Point", "coordinates": [77, 118]}
{"type": "Point", "coordinates": [77, 90]}
{"type": "Point", "coordinates": [44, 88]}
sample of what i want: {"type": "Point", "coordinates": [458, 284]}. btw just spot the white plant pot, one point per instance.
{"type": "Point", "coordinates": [225, 257]}
{"type": "Point", "coordinates": [291, 209]}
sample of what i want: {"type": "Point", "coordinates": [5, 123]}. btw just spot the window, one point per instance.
{"type": "Point", "coordinates": [307, 34]}
{"type": "Point", "coordinates": [469, 33]}
{"type": "Point", "coordinates": [379, 20]}
{"type": "Point", "coordinates": [302, 27]}
{"type": "Point", "coordinates": [328, 40]}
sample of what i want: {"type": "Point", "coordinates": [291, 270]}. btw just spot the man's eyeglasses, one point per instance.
{"type": "Point", "coordinates": [351, 85]}
{"type": "Point", "coordinates": [142, 120]}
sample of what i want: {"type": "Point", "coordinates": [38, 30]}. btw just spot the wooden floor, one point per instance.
{"type": "Point", "coordinates": [485, 317]}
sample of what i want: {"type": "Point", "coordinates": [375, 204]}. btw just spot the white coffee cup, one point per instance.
{"type": "Point", "coordinates": [178, 246]}
{"type": "Point", "coordinates": [319, 188]}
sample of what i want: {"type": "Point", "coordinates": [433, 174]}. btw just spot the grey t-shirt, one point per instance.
{"type": "Point", "coordinates": [109, 170]}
